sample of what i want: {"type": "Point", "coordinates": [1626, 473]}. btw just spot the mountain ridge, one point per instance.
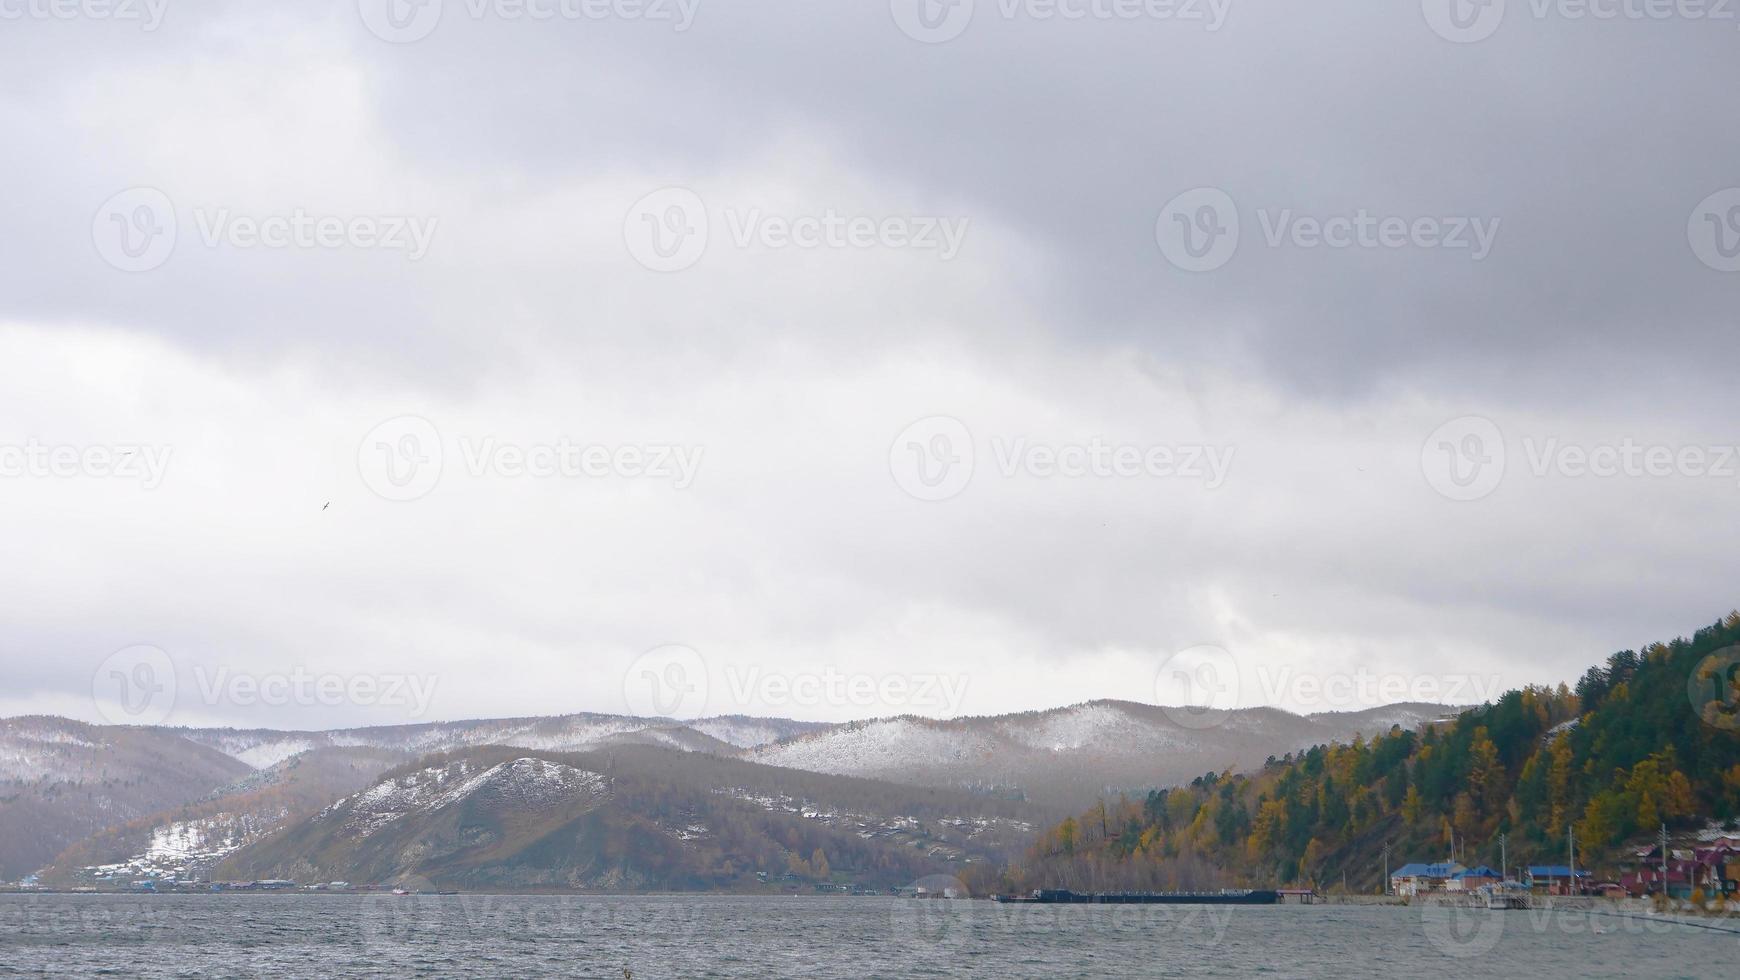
{"type": "Point", "coordinates": [1048, 756]}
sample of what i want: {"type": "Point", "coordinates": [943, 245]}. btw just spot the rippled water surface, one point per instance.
{"type": "Point", "coordinates": [294, 936]}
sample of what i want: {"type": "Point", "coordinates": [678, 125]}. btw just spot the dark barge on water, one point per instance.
{"type": "Point", "coordinates": [1063, 896]}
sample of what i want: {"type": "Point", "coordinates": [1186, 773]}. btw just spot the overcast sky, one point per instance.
{"type": "Point", "coordinates": [856, 358]}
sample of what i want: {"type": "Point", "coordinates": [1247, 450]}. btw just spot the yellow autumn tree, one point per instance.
{"type": "Point", "coordinates": [1412, 806]}
{"type": "Point", "coordinates": [1067, 832]}
{"type": "Point", "coordinates": [1558, 785]}
{"type": "Point", "coordinates": [1266, 829]}
{"type": "Point", "coordinates": [1485, 774]}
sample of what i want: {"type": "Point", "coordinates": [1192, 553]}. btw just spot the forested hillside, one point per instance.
{"type": "Point", "coordinates": [1649, 737]}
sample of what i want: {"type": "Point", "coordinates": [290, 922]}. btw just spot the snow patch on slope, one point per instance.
{"type": "Point", "coordinates": [1078, 727]}
{"type": "Point", "coordinates": [885, 746]}
{"type": "Point", "coordinates": [744, 733]}
{"type": "Point", "coordinates": [520, 784]}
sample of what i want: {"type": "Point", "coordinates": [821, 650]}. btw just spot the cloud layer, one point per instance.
{"type": "Point", "coordinates": [820, 346]}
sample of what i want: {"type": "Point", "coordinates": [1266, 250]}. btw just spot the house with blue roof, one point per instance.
{"type": "Point", "coordinates": [1412, 879]}
{"type": "Point", "coordinates": [1472, 879]}
{"type": "Point", "coordinates": [1556, 879]}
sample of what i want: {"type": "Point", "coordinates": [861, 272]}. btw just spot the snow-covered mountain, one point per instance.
{"type": "Point", "coordinates": [632, 818]}
{"type": "Point", "coordinates": [563, 733]}
{"type": "Point", "coordinates": [1068, 754]}
{"type": "Point", "coordinates": [186, 840]}
{"type": "Point", "coordinates": [122, 789]}
{"type": "Point", "coordinates": [61, 781]}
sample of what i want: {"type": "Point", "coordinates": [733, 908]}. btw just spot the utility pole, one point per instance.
{"type": "Point", "coordinates": [1663, 838]}
{"type": "Point", "coordinates": [1571, 848]}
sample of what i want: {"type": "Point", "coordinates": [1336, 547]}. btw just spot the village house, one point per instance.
{"type": "Point", "coordinates": [1472, 879]}
{"type": "Point", "coordinates": [1556, 879]}
{"type": "Point", "coordinates": [1711, 869]}
{"type": "Point", "coordinates": [1413, 879]}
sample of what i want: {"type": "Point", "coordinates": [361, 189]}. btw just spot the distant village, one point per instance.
{"type": "Point", "coordinates": [1706, 870]}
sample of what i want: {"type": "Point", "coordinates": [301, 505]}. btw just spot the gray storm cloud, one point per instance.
{"type": "Point", "coordinates": [1302, 241]}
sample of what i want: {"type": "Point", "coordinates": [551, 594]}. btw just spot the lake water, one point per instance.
{"type": "Point", "coordinates": [312, 935]}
